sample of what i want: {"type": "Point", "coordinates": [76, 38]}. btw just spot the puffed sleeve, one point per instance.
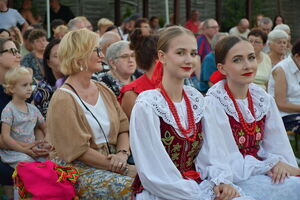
{"type": "Point", "coordinates": [157, 173]}
{"type": "Point", "coordinates": [67, 128]}
{"type": "Point", "coordinates": [221, 152]}
{"type": "Point", "coordinates": [276, 142]}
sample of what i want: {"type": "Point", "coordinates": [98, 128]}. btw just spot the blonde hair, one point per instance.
{"type": "Point", "coordinates": [166, 35]}
{"type": "Point", "coordinates": [12, 76]}
{"type": "Point", "coordinates": [61, 28]}
{"type": "Point", "coordinates": [75, 49]}
{"type": "Point", "coordinates": [104, 22]}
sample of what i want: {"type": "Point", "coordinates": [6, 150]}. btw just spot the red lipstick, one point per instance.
{"type": "Point", "coordinates": [186, 68]}
{"type": "Point", "coordinates": [248, 74]}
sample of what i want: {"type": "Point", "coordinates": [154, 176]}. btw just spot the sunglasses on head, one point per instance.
{"type": "Point", "coordinates": [13, 51]}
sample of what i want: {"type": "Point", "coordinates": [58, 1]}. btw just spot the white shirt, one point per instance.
{"type": "Point", "coordinates": [100, 112]}
{"type": "Point", "coordinates": [235, 31]}
{"type": "Point", "coordinates": [292, 76]}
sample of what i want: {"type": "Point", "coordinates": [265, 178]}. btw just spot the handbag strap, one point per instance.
{"type": "Point", "coordinates": [68, 84]}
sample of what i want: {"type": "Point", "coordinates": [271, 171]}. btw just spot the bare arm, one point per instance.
{"type": "Point", "coordinates": [198, 68]}
{"type": "Point", "coordinates": [280, 90]}
{"type": "Point", "coordinates": [128, 102]}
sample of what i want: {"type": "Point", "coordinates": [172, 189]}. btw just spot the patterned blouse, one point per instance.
{"type": "Point", "coordinates": [36, 64]}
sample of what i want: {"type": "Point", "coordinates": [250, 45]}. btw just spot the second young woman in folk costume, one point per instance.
{"type": "Point", "coordinates": [166, 130]}
{"type": "Point", "coordinates": [245, 132]}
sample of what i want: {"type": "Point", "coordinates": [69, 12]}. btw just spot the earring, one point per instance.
{"type": "Point", "coordinates": [81, 68]}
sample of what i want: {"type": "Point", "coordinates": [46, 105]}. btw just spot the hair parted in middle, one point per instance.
{"type": "Point", "coordinates": [75, 49]}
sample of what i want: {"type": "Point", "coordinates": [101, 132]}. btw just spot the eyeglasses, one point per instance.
{"type": "Point", "coordinates": [126, 56]}
{"type": "Point", "coordinates": [13, 51]}
{"type": "Point", "coordinates": [99, 51]}
{"type": "Point", "coordinates": [213, 27]}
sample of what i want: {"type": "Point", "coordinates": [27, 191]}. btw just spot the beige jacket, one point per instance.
{"type": "Point", "coordinates": [67, 127]}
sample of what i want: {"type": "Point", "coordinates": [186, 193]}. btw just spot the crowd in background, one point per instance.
{"type": "Point", "coordinates": [124, 58]}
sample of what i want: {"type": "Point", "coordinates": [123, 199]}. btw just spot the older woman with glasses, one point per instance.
{"type": "Point", "coordinates": [122, 66]}
{"type": "Point", "coordinates": [278, 42]}
{"type": "Point", "coordinates": [86, 124]}
{"type": "Point", "coordinates": [258, 40]}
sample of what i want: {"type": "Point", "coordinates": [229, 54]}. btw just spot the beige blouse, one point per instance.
{"type": "Point", "coordinates": [68, 129]}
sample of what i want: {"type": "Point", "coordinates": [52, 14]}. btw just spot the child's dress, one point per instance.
{"type": "Point", "coordinates": [22, 129]}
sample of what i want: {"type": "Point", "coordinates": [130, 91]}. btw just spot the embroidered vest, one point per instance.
{"type": "Point", "coordinates": [248, 144]}
{"type": "Point", "coordinates": [181, 151]}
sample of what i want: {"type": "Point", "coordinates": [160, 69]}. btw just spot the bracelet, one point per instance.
{"type": "Point", "coordinates": [124, 152]}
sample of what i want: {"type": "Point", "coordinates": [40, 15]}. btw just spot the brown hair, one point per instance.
{"type": "Point", "coordinates": [168, 34]}
{"type": "Point", "coordinates": [3, 41]}
{"type": "Point", "coordinates": [296, 48]}
{"type": "Point", "coordinates": [223, 46]}
{"type": "Point", "coordinates": [259, 33]}
{"type": "Point", "coordinates": [36, 34]}
{"type": "Point", "coordinates": [144, 48]}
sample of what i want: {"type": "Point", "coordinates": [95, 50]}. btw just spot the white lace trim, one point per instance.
{"type": "Point", "coordinates": [260, 99]}
{"type": "Point", "coordinates": [155, 99]}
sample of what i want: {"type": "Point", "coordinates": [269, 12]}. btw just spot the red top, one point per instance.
{"type": "Point", "coordinates": [193, 26]}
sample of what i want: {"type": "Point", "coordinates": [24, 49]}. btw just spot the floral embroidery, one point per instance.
{"type": "Point", "coordinates": [242, 140]}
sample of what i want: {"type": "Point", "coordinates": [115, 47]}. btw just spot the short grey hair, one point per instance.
{"type": "Point", "coordinates": [283, 27]}
{"type": "Point", "coordinates": [216, 38]}
{"type": "Point", "coordinates": [277, 34]}
{"type": "Point", "coordinates": [73, 23]}
{"type": "Point", "coordinates": [114, 50]}
{"type": "Point", "coordinates": [265, 20]}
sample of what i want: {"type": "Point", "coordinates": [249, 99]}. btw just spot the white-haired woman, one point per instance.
{"type": "Point", "coordinates": [121, 60]}
{"type": "Point", "coordinates": [86, 124]}
{"type": "Point", "coordinates": [277, 41]}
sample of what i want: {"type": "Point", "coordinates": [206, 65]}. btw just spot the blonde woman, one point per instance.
{"type": "Point", "coordinates": [103, 24]}
{"type": "Point", "coordinates": [86, 125]}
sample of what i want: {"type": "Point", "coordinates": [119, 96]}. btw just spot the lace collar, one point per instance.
{"type": "Point", "coordinates": [261, 101]}
{"type": "Point", "coordinates": [155, 99]}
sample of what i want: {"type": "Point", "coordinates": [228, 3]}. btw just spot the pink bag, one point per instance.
{"type": "Point", "coordinates": [45, 180]}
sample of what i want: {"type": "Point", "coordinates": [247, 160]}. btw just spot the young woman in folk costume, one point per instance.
{"type": "Point", "coordinates": [245, 132]}
{"type": "Point", "coordinates": [166, 130]}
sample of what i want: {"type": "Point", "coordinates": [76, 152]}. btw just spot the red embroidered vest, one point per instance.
{"type": "Point", "coordinates": [248, 144]}
{"type": "Point", "coordinates": [181, 151]}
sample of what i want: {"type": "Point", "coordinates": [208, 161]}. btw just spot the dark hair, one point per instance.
{"type": "Point", "coordinates": [223, 46]}
{"type": "Point", "coordinates": [36, 34]}
{"type": "Point", "coordinates": [145, 49]}
{"type": "Point", "coordinates": [56, 22]}
{"type": "Point", "coordinates": [153, 18]}
{"type": "Point", "coordinates": [4, 30]}
{"type": "Point", "coordinates": [49, 77]}
{"type": "Point", "coordinates": [112, 27]}
{"type": "Point", "coordinates": [140, 21]}
{"type": "Point", "coordinates": [296, 48]}
{"type": "Point", "coordinates": [26, 34]}
{"type": "Point", "coordinates": [3, 41]}
{"type": "Point", "coordinates": [259, 33]}
{"type": "Point", "coordinates": [275, 18]}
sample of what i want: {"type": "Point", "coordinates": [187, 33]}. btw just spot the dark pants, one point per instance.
{"type": "Point", "coordinates": [292, 124]}
{"type": "Point", "coordinates": [5, 174]}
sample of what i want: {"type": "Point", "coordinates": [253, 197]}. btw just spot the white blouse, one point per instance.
{"type": "Point", "coordinates": [292, 76]}
{"type": "Point", "coordinates": [220, 149]}
{"type": "Point", "coordinates": [100, 112]}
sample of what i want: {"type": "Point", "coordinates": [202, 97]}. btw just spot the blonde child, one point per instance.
{"type": "Point", "coordinates": [19, 120]}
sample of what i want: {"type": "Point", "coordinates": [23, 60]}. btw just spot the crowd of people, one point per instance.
{"type": "Point", "coordinates": [147, 112]}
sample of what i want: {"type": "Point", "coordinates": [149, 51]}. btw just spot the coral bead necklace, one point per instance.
{"type": "Point", "coordinates": [249, 128]}
{"type": "Point", "coordinates": [190, 114]}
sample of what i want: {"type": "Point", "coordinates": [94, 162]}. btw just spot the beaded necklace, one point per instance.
{"type": "Point", "coordinates": [249, 128]}
{"type": "Point", "coordinates": [190, 114]}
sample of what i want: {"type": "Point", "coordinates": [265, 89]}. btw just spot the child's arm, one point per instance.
{"type": "Point", "coordinates": [40, 132]}
{"type": "Point", "coordinates": [13, 144]}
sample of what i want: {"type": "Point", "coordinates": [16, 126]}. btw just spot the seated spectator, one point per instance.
{"type": "Point", "coordinates": [122, 66]}
{"type": "Point", "coordinates": [60, 31]}
{"type": "Point", "coordinates": [103, 24]}
{"type": "Point", "coordinates": [34, 59]}
{"type": "Point", "coordinates": [265, 24]}
{"type": "Point", "coordinates": [154, 24]}
{"type": "Point", "coordinates": [264, 67]}
{"type": "Point", "coordinates": [59, 11]}
{"type": "Point", "coordinates": [278, 19]}
{"type": "Point", "coordinates": [26, 46]}
{"type": "Point", "coordinates": [277, 41]}
{"type": "Point", "coordinates": [26, 12]}
{"type": "Point", "coordinates": [142, 25]}
{"type": "Point", "coordinates": [16, 35]}
{"type": "Point", "coordinates": [287, 29]}
{"type": "Point", "coordinates": [10, 17]}
{"type": "Point", "coordinates": [87, 23]}
{"type": "Point", "coordinates": [284, 87]}
{"type": "Point", "coordinates": [193, 23]}
{"type": "Point", "coordinates": [209, 66]}
{"type": "Point", "coordinates": [242, 29]}
{"type": "Point", "coordinates": [46, 87]}
{"type": "Point", "coordinates": [145, 56]}
{"type": "Point", "coordinates": [257, 20]}
{"type": "Point", "coordinates": [93, 135]}
{"type": "Point", "coordinates": [76, 23]}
